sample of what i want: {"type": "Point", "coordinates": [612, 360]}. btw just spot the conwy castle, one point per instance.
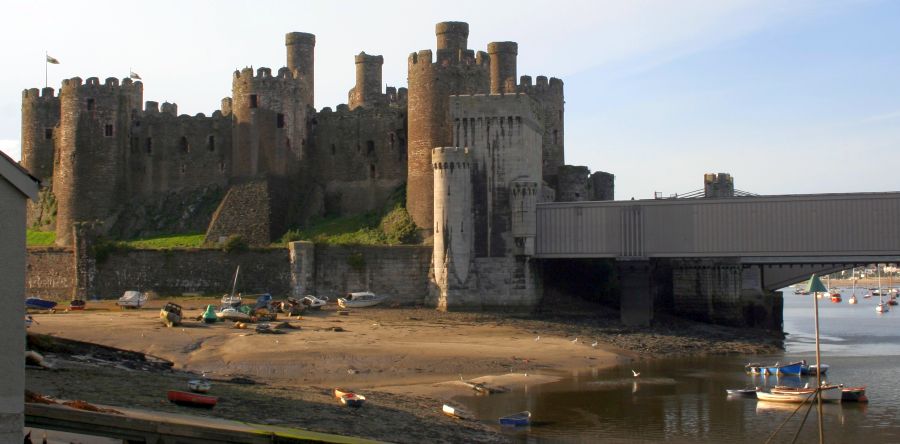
{"type": "Point", "coordinates": [475, 145]}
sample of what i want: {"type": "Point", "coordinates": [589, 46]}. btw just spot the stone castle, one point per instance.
{"type": "Point", "coordinates": [476, 147]}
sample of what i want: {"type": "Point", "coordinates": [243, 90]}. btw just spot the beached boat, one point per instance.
{"type": "Point", "coordinates": [455, 412]}
{"type": "Point", "coordinates": [813, 369]}
{"type": "Point", "coordinates": [189, 399]}
{"type": "Point", "coordinates": [231, 300]}
{"type": "Point", "coordinates": [314, 303]}
{"type": "Point", "coordinates": [77, 304]}
{"type": "Point", "coordinates": [263, 301]}
{"type": "Point", "coordinates": [829, 393]}
{"type": "Point", "coordinates": [741, 393]}
{"type": "Point", "coordinates": [349, 398]}
{"type": "Point", "coordinates": [516, 419]}
{"type": "Point", "coordinates": [360, 299]}
{"type": "Point", "coordinates": [36, 303]}
{"type": "Point", "coordinates": [199, 385]}
{"type": "Point", "coordinates": [170, 314]}
{"type": "Point", "coordinates": [233, 314]}
{"type": "Point", "coordinates": [132, 299]}
{"type": "Point", "coordinates": [794, 368]}
{"type": "Point", "coordinates": [854, 394]}
{"type": "Point", "coordinates": [209, 315]}
{"type": "Point", "coordinates": [291, 306]}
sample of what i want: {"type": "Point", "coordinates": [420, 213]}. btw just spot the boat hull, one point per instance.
{"type": "Point", "coordinates": [741, 393]}
{"type": "Point", "coordinates": [39, 304]}
{"type": "Point", "coordinates": [516, 420]}
{"type": "Point", "coordinates": [794, 368]}
{"type": "Point", "coordinates": [854, 394]}
{"type": "Point", "coordinates": [800, 395]}
{"type": "Point", "coordinates": [189, 399]}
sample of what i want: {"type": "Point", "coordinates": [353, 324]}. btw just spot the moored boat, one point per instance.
{"type": "Point", "coordinates": [349, 398]}
{"type": "Point", "coordinates": [77, 304]}
{"type": "Point", "coordinates": [829, 393]}
{"type": "Point", "coordinates": [455, 412]}
{"type": "Point", "coordinates": [813, 369]}
{"type": "Point", "coordinates": [189, 399]}
{"type": "Point", "coordinates": [199, 385]}
{"type": "Point", "coordinates": [360, 299]}
{"type": "Point", "coordinates": [836, 297]}
{"type": "Point", "coordinates": [516, 419]}
{"type": "Point", "coordinates": [132, 299]}
{"type": "Point", "coordinates": [170, 314]}
{"type": "Point", "coordinates": [854, 394]}
{"type": "Point", "coordinates": [741, 393]}
{"type": "Point", "coordinates": [852, 300]}
{"type": "Point", "coordinates": [36, 303]}
{"type": "Point", "coordinates": [793, 368]}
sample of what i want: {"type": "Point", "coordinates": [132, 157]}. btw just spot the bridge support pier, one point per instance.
{"type": "Point", "coordinates": [636, 292]}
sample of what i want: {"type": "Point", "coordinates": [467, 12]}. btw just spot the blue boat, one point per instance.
{"type": "Point", "coordinates": [794, 368]}
{"type": "Point", "coordinates": [263, 301]}
{"type": "Point", "coordinates": [516, 419]}
{"type": "Point", "coordinates": [37, 303]}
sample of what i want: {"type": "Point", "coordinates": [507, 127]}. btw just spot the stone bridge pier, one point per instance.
{"type": "Point", "coordinates": [719, 291]}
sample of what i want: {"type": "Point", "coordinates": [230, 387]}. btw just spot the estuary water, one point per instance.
{"type": "Point", "coordinates": [684, 400]}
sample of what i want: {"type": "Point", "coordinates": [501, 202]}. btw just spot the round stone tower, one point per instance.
{"type": "Point", "coordinates": [92, 146]}
{"type": "Point", "coordinates": [269, 120]}
{"type": "Point", "coordinates": [453, 223]}
{"type": "Point", "coordinates": [301, 58]}
{"type": "Point", "coordinates": [503, 66]}
{"type": "Point", "coordinates": [367, 91]}
{"type": "Point", "coordinates": [457, 70]}
{"type": "Point", "coordinates": [40, 116]}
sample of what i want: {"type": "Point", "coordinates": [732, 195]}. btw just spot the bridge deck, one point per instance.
{"type": "Point", "coordinates": [821, 225]}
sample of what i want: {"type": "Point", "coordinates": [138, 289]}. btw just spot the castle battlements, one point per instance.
{"type": "Point", "coordinates": [265, 73]}
{"type": "Point", "coordinates": [35, 94]}
{"type": "Point", "coordinates": [94, 83]}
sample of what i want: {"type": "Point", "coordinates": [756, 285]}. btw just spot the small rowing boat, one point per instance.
{"type": "Point", "coordinates": [516, 419]}
{"type": "Point", "coordinates": [349, 398]}
{"type": "Point", "coordinates": [741, 393]}
{"type": "Point", "coordinates": [455, 412]}
{"type": "Point", "coordinates": [189, 399]}
{"type": "Point", "coordinates": [36, 303]}
{"type": "Point", "coordinates": [199, 385]}
{"type": "Point", "coordinates": [170, 314]}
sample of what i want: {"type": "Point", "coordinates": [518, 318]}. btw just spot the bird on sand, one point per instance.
{"type": "Point", "coordinates": [574, 340]}
{"type": "Point", "coordinates": [636, 374]}
{"type": "Point", "coordinates": [595, 344]}
{"type": "Point", "coordinates": [537, 338]}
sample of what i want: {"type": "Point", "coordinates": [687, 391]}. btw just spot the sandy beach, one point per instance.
{"type": "Point", "coordinates": [406, 361]}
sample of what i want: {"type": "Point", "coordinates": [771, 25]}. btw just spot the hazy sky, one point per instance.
{"type": "Point", "coordinates": [788, 96]}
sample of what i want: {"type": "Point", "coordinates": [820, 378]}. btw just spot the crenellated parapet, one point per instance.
{"type": "Point", "coordinates": [453, 222]}
{"type": "Point", "coordinates": [549, 93]}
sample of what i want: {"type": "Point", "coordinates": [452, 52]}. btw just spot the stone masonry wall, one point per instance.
{"type": "Point", "coordinates": [49, 273]}
{"type": "Point", "coordinates": [398, 272]}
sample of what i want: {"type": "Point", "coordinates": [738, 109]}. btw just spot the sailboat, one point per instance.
{"type": "Point", "coordinates": [852, 300]}
{"type": "Point", "coordinates": [881, 307]}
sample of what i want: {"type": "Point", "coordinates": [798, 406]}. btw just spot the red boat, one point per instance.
{"type": "Point", "coordinates": [836, 297]}
{"type": "Point", "coordinates": [192, 399]}
{"type": "Point", "coordinates": [76, 304]}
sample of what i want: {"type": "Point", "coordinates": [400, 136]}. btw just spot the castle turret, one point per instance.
{"type": "Point", "coordinates": [367, 91]}
{"type": "Point", "coordinates": [453, 224]}
{"type": "Point", "coordinates": [549, 94]}
{"type": "Point", "coordinates": [89, 176]}
{"type": "Point", "coordinates": [503, 66]}
{"type": "Point", "coordinates": [457, 70]}
{"type": "Point", "coordinates": [269, 115]}
{"type": "Point", "coordinates": [301, 50]}
{"type": "Point", "coordinates": [40, 117]}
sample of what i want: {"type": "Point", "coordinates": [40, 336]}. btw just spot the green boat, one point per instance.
{"type": "Point", "coordinates": [209, 316]}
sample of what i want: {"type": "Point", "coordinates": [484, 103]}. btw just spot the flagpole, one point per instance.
{"type": "Point", "coordinates": [46, 54]}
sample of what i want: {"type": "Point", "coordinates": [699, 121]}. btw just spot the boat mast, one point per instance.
{"type": "Point", "coordinates": [234, 285]}
{"type": "Point", "coordinates": [818, 374]}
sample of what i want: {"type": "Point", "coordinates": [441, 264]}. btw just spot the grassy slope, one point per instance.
{"type": "Point", "coordinates": [40, 238]}
{"type": "Point", "coordinates": [190, 240]}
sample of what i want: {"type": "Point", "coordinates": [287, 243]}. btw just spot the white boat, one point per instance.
{"type": "Point", "coordinates": [231, 300]}
{"type": "Point", "coordinates": [233, 314]}
{"type": "Point", "coordinates": [852, 300]}
{"type": "Point", "coordinates": [360, 299]}
{"type": "Point", "coordinates": [882, 307]}
{"type": "Point", "coordinates": [313, 303]}
{"type": "Point", "coordinates": [132, 299]}
{"type": "Point", "coordinates": [829, 393]}
{"type": "Point", "coordinates": [455, 412]}
{"type": "Point", "coordinates": [199, 385]}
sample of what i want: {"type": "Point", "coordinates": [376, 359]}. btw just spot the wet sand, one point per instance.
{"type": "Point", "coordinates": [406, 361]}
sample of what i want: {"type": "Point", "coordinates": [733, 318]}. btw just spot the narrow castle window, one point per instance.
{"type": "Point", "coordinates": [279, 120]}
{"type": "Point", "coordinates": [358, 149]}
{"type": "Point", "coordinates": [555, 137]}
{"type": "Point", "coordinates": [185, 146]}
{"type": "Point", "coordinates": [90, 104]}
{"type": "Point", "coordinates": [222, 166]}
{"type": "Point", "coordinates": [211, 143]}
{"type": "Point", "coordinates": [333, 149]}
{"type": "Point", "coordinates": [253, 101]}
{"type": "Point", "coordinates": [287, 142]}
{"type": "Point", "coordinates": [149, 145]}
{"type": "Point", "coordinates": [108, 130]}
{"type": "Point", "coordinates": [48, 133]}
{"type": "Point", "coordinates": [372, 170]}
{"type": "Point", "coordinates": [183, 168]}
{"type": "Point", "coordinates": [370, 147]}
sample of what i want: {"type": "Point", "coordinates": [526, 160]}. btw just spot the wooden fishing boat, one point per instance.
{"type": "Point", "coordinates": [199, 385]}
{"type": "Point", "coordinates": [77, 304]}
{"type": "Point", "coordinates": [189, 399]}
{"type": "Point", "coordinates": [360, 299]}
{"type": "Point", "coordinates": [455, 412]}
{"type": "Point", "coordinates": [812, 370]}
{"type": "Point", "coordinates": [516, 419]}
{"type": "Point", "coordinates": [793, 368]}
{"type": "Point", "coordinates": [170, 314]}
{"type": "Point", "coordinates": [132, 299]}
{"type": "Point", "coordinates": [836, 297]}
{"type": "Point", "coordinates": [741, 393]}
{"type": "Point", "coordinates": [36, 303]}
{"type": "Point", "coordinates": [233, 314]}
{"type": "Point", "coordinates": [829, 393]}
{"type": "Point", "coordinates": [349, 398]}
{"type": "Point", "coordinates": [854, 394]}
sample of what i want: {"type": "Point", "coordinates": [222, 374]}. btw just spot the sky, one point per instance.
{"type": "Point", "coordinates": [788, 97]}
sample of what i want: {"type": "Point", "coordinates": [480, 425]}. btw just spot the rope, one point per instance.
{"type": "Point", "coordinates": [772, 436]}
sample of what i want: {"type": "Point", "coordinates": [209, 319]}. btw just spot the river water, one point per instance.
{"type": "Point", "coordinates": [684, 400]}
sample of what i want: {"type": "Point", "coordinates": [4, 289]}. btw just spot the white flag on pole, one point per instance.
{"type": "Point", "coordinates": [52, 60]}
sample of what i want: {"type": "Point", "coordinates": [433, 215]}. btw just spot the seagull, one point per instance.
{"type": "Point", "coordinates": [636, 374]}
{"type": "Point", "coordinates": [595, 344]}
{"type": "Point", "coordinates": [574, 340]}
{"type": "Point", "coordinates": [537, 338]}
